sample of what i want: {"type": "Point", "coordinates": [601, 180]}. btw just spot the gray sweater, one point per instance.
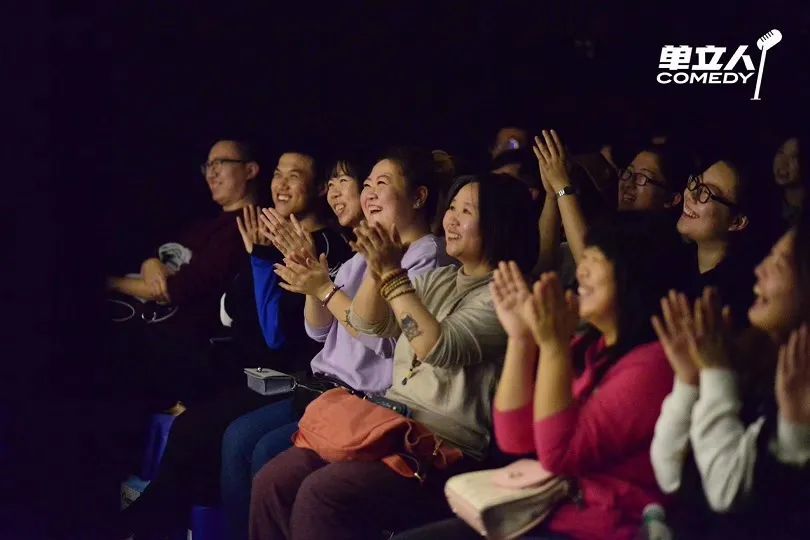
{"type": "Point", "coordinates": [451, 390]}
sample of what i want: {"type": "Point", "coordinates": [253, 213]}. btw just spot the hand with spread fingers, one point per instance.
{"type": "Point", "coordinates": [509, 294]}
{"type": "Point", "coordinates": [793, 377]}
{"type": "Point", "coordinates": [305, 275]}
{"type": "Point", "coordinates": [552, 314]}
{"type": "Point", "coordinates": [553, 161]}
{"type": "Point", "coordinates": [707, 331]}
{"type": "Point", "coordinates": [251, 229]}
{"type": "Point", "coordinates": [287, 235]}
{"type": "Point", "coordinates": [383, 249]}
{"type": "Point", "coordinates": [676, 316]}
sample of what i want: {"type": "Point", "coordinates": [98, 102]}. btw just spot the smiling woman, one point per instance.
{"type": "Point", "coordinates": [547, 399]}
{"type": "Point", "coordinates": [446, 362]}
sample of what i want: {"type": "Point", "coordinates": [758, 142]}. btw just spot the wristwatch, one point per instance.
{"type": "Point", "coordinates": [567, 190]}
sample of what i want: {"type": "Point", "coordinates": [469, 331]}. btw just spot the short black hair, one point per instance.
{"type": "Point", "coordinates": [352, 162]}
{"type": "Point", "coordinates": [319, 177]}
{"type": "Point", "coordinates": [508, 218]}
{"type": "Point", "coordinates": [419, 169]}
{"type": "Point", "coordinates": [246, 150]}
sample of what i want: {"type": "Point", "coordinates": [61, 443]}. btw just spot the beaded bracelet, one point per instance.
{"type": "Point", "coordinates": [394, 284]}
{"type": "Point", "coordinates": [399, 292]}
{"type": "Point", "coordinates": [390, 276]}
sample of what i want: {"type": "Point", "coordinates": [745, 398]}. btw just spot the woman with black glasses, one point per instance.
{"type": "Point", "coordinates": [716, 219]}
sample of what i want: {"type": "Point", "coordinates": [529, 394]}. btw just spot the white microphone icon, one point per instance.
{"type": "Point", "coordinates": [764, 43]}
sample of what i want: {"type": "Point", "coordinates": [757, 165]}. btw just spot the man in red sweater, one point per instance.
{"type": "Point", "coordinates": [181, 289]}
{"type": "Point", "coordinates": [180, 273]}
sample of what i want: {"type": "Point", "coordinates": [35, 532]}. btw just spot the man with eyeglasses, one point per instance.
{"type": "Point", "coordinates": [203, 259]}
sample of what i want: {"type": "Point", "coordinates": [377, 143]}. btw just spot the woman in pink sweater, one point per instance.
{"type": "Point", "coordinates": [586, 407]}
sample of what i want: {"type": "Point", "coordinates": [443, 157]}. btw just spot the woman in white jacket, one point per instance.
{"type": "Point", "coordinates": [725, 397]}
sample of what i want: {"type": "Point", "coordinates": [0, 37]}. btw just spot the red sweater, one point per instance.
{"type": "Point", "coordinates": [603, 440]}
{"type": "Point", "coordinates": [217, 252]}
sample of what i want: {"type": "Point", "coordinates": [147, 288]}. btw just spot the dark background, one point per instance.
{"type": "Point", "coordinates": [115, 104]}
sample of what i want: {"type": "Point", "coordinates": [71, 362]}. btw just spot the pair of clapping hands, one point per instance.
{"type": "Point", "coordinates": [304, 271]}
{"type": "Point", "coordinates": [544, 313]}
{"type": "Point", "coordinates": [696, 337]}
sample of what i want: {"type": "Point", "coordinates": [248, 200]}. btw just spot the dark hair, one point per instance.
{"type": "Point", "coordinates": [801, 255]}
{"type": "Point", "coordinates": [759, 200]}
{"type": "Point", "coordinates": [352, 163]}
{"type": "Point", "coordinates": [507, 217]}
{"type": "Point", "coordinates": [648, 259]}
{"type": "Point", "coordinates": [318, 173]}
{"type": "Point", "coordinates": [246, 150]}
{"type": "Point", "coordinates": [417, 166]}
{"type": "Point", "coordinates": [803, 141]}
{"type": "Point", "coordinates": [319, 204]}
{"type": "Point", "coordinates": [676, 163]}
{"type": "Point", "coordinates": [528, 170]}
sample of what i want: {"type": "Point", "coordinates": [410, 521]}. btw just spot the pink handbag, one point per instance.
{"type": "Point", "coordinates": [502, 504]}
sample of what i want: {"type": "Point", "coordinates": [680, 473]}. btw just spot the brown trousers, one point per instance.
{"type": "Point", "coordinates": [299, 496]}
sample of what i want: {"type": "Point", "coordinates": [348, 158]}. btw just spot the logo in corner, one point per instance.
{"type": "Point", "coordinates": [678, 68]}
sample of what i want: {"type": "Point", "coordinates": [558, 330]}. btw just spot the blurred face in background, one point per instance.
{"type": "Point", "coordinates": [786, 163]}
{"type": "Point", "coordinates": [642, 185]}
{"type": "Point", "coordinates": [227, 174]}
{"type": "Point", "coordinates": [509, 138]}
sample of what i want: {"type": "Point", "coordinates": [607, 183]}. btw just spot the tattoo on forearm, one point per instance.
{"type": "Point", "coordinates": [409, 327]}
{"type": "Point", "coordinates": [348, 321]}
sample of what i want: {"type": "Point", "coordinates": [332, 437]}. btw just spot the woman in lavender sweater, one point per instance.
{"type": "Point", "coordinates": [397, 192]}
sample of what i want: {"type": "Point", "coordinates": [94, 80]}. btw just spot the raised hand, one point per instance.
{"type": "Point", "coordinates": [707, 335]}
{"type": "Point", "coordinates": [552, 314]}
{"type": "Point", "coordinates": [287, 235]}
{"type": "Point", "coordinates": [305, 275]}
{"type": "Point", "coordinates": [383, 249]}
{"type": "Point", "coordinates": [793, 377]}
{"type": "Point", "coordinates": [509, 294]}
{"type": "Point", "coordinates": [672, 333]}
{"type": "Point", "coordinates": [251, 229]}
{"type": "Point", "coordinates": [553, 161]}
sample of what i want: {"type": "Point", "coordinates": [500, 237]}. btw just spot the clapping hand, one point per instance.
{"type": "Point", "coordinates": [287, 235]}
{"type": "Point", "coordinates": [793, 377]}
{"type": "Point", "coordinates": [553, 161]}
{"type": "Point", "coordinates": [673, 337]}
{"type": "Point", "coordinates": [383, 249]}
{"type": "Point", "coordinates": [509, 294]}
{"type": "Point", "coordinates": [707, 331]}
{"type": "Point", "coordinates": [552, 314]}
{"type": "Point", "coordinates": [252, 231]}
{"type": "Point", "coordinates": [305, 275]}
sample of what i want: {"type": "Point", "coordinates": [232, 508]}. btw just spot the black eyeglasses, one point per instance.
{"type": "Point", "coordinates": [640, 179]}
{"type": "Point", "coordinates": [704, 192]}
{"type": "Point", "coordinates": [215, 165]}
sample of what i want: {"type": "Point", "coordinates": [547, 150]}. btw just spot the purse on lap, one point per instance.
{"type": "Point", "coordinates": [502, 504]}
{"type": "Point", "coordinates": [344, 426]}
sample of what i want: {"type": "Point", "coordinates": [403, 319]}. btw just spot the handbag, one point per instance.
{"type": "Point", "coordinates": [502, 504]}
{"type": "Point", "coordinates": [346, 426]}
